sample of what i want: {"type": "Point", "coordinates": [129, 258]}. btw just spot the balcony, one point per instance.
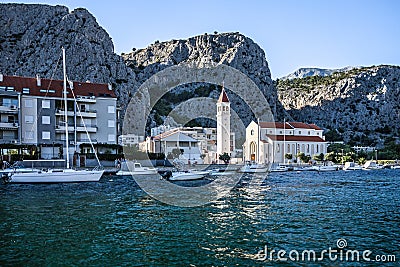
{"type": "Point", "coordinates": [86, 99]}
{"type": "Point", "coordinates": [87, 113]}
{"type": "Point", "coordinates": [8, 140]}
{"type": "Point", "coordinates": [78, 140]}
{"type": "Point", "coordinates": [79, 128]}
{"type": "Point", "coordinates": [9, 109]}
{"type": "Point", "coordinates": [9, 125]}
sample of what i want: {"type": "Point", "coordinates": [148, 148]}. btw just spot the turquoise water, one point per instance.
{"type": "Point", "coordinates": [115, 223]}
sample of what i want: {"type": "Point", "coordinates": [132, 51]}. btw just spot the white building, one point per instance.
{"type": "Point", "coordinates": [268, 142]}
{"type": "Point", "coordinates": [223, 125]}
{"type": "Point", "coordinates": [130, 139]}
{"type": "Point", "coordinates": [174, 139]}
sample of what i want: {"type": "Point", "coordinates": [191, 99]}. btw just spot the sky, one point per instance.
{"type": "Point", "coordinates": [293, 34]}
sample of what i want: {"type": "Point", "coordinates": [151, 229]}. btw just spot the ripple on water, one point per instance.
{"type": "Point", "coordinates": [115, 223]}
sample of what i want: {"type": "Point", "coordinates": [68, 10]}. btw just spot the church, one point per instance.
{"type": "Point", "coordinates": [269, 142]}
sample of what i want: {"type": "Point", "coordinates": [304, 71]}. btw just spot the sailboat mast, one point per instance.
{"type": "Point", "coordinates": [65, 108]}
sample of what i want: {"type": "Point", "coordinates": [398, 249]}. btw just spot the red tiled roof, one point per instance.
{"type": "Point", "coordinates": [278, 125]}
{"type": "Point", "coordinates": [298, 138]}
{"type": "Point", "coordinates": [288, 125]}
{"type": "Point", "coordinates": [223, 97]}
{"type": "Point", "coordinates": [315, 127]}
{"type": "Point", "coordinates": [80, 88]}
{"type": "Point", "coordinates": [300, 125]}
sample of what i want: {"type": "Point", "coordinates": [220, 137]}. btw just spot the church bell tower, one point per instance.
{"type": "Point", "coordinates": [223, 124]}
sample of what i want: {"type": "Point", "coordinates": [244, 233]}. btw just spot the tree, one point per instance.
{"type": "Point", "coordinates": [319, 157]}
{"type": "Point", "coordinates": [330, 156]}
{"type": "Point", "coordinates": [288, 156]}
{"type": "Point", "coordinates": [176, 152]}
{"type": "Point", "coordinates": [225, 157]}
{"type": "Point", "coordinates": [362, 161]}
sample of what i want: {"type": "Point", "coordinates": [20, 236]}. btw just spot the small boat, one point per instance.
{"type": "Point", "coordinates": [326, 167]}
{"type": "Point", "coordinates": [322, 168]}
{"type": "Point", "coordinates": [351, 166]}
{"type": "Point", "coordinates": [396, 167]}
{"type": "Point", "coordinates": [280, 168]}
{"type": "Point", "coordinates": [252, 167]}
{"type": "Point", "coordinates": [187, 175]}
{"type": "Point", "coordinates": [303, 168]}
{"type": "Point", "coordinates": [372, 165]}
{"type": "Point", "coordinates": [136, 168]}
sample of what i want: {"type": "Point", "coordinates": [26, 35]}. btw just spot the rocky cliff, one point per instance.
{"type": "Point", "coordinates": [32, 36]}
{"type": "Point", "coordinates": [360, 105]}
{"type": "Point", "coordinates": [232, 49]}
{"type": "Point", "coordinates": [306, 72]}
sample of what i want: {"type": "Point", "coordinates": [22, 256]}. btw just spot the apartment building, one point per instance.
{"type": "Point", "coordinates": [32, 113]}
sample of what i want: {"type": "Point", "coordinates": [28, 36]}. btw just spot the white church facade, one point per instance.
{"type": "Point", "coordinates": [268, 142]}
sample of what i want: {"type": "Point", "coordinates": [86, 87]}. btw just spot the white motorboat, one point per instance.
{"type": "Point", "coordinates": [187, 175]}
{"type": "Point", "coordinates": [351, 166]}
{"type": "Point", "coordinates": [327, 166]}
{"type": "Point", "coordinates": [322, 168]}
{"type": "Point", "coordinates": [396, 167]}
{"type": "Point", "coordinates": [372, 165]}
{"type": "Point", "coordinates": [135, 168]}
{"type": "Point", "coordinates": [57, 175]}
{"type": "Point", "coordinates": [254, 168]}
{"type": "Point", "coordinates": [280, 168]}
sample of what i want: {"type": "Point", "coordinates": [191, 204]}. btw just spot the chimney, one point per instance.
{"type": "Point", "coordinates": [1, 77]}
{"type": "Point", "coordinates": [38, 81]}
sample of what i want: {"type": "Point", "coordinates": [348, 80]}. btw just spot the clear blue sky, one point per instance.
{"type": "Point", "coordinates": [294, 34]}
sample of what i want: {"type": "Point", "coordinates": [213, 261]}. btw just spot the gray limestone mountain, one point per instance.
{"type": "Point", "coordinates": [361, 105]}
{"type": "Point", "coordinates": [32, 36]}
{"type": "Point", "coordinates": [232, 49]}
{"type": "Point", "coordinates": [306, 72]}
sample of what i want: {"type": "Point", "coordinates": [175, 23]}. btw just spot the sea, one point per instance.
{"type": "Point", "coordinates": [342, 218]}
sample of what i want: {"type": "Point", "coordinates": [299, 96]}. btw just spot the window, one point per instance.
{"type": "Point", "coordinates": [299, 132]}
{"type": "Point", "coordinates": [25, 90]}
{"type": "Point", "coordinates": [252, 132]}
{"type": "Point", "coordinates": [309, 132]}
{"type": "Point", "coordinates": [280, 132]}
{"type": "Point", "coordinates": [288, 148]}
{"type": "Point", "coordinates": [45, 103]}
{"type": "Point", "coordinates": [308, 148]}
{"type": "Point", "coordinates": [28, 119]}
{"type": "Point", "coordinates": [29, 135]}
{"type": "Point", "coordinates": [111, 123]}
{"type": "Point", "coordinates": [317, 148]}
{"type": "Point", "coordinates": [28, 103]}
{"type": "Point", "coordinates": [45, 119]}
{"type": "Point", "coordinates": [83, 108]}
{"type": "Point", "coordinates": [111, 109]}
{"type": "Point", "coordinates": [111, 138]}
{"type": "Point", "coordinates": [278, 148]}
{"type": "Point", "coordinates": [46, 135]}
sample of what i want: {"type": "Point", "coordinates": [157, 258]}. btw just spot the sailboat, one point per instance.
{"type": "Point", "coordinates": [66, 175]}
